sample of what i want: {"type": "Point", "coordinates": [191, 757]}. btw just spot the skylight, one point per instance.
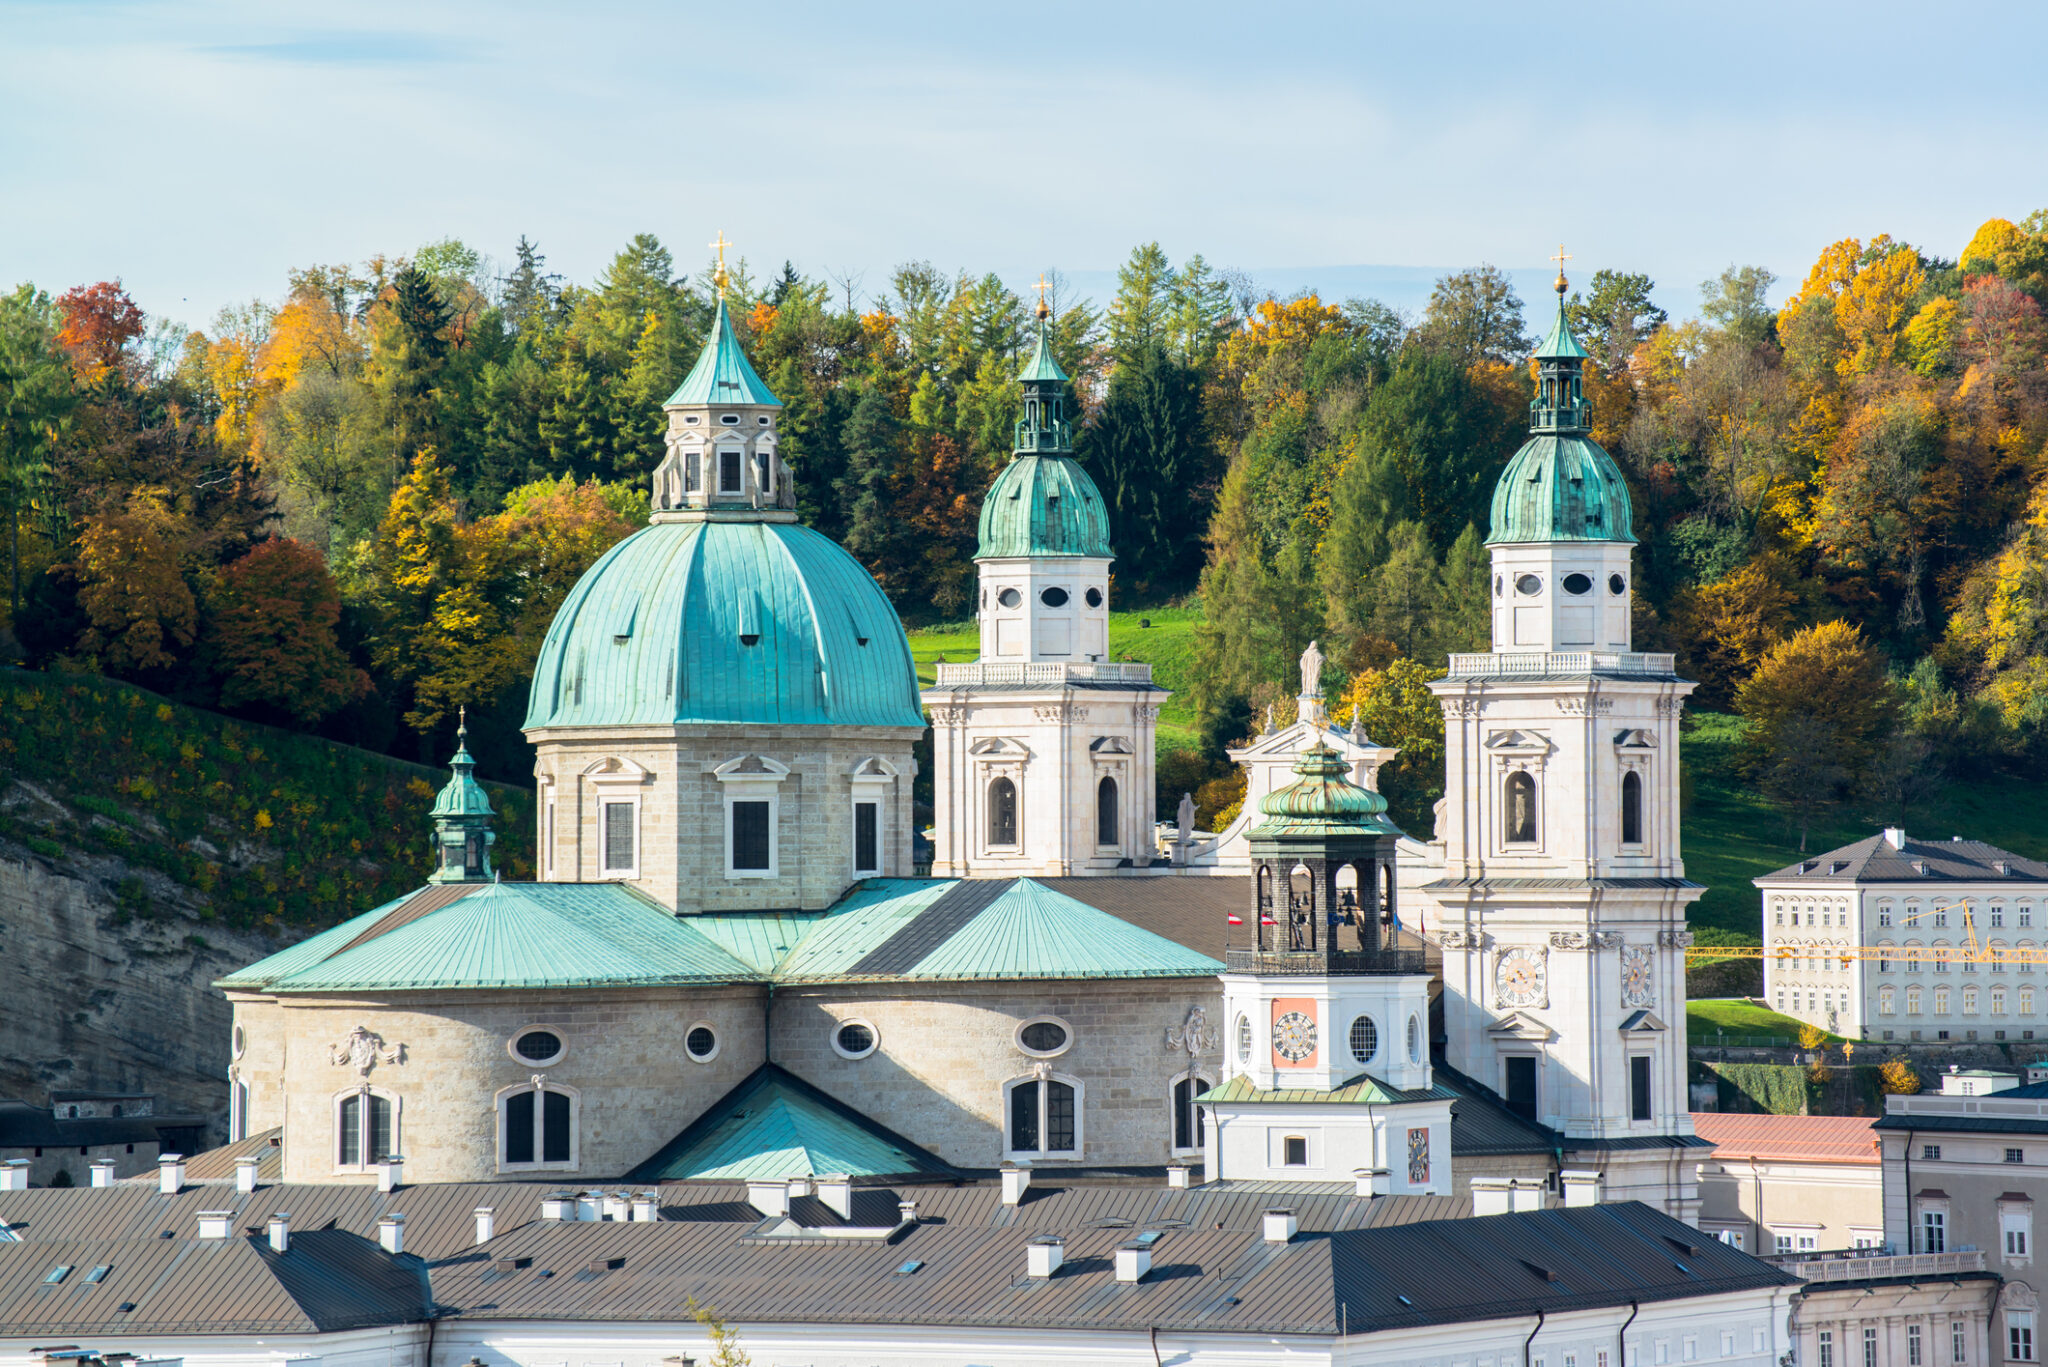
{"type": "Point", "coordinates": [57, 1274]}
{"type": "Point", "coordinates": [98, 1274]}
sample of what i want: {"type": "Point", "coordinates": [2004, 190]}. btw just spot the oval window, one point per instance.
{"type": "Point", "coordinates": [729, 419]}
{"type": "Point", "coordinates": [1094, 597]}
{"type": "Point", "coordinates": [701, 1043]}
{"type": "Point", "coordinates": [1043, 1037]}
{"type": "Point", "coordinates": [1009, 598]}
{"type": "Point", "coordinates": [1054, 598]}
{"type": "Point", "coordinates": [1578, 583]}
{"type": "Point", "coordinates": [538, 1046]}
{"type": "Point", "coordinates": [1616, 584]}
{"type": "Point", "coordinates": [241, 1042]}
{"type": "Point", "coordinates": [1414, 1039]}
{"type": "Point", "coordinates": [1528, 584]}
{"type": "Point", "coordinates": [1244, 1039]}
{"type": "Point", "coordinates": [1499, 586]}
{"type": "Point", "coordinates": [1365, 1039]}
{"type": "Point", "coordinates": [854, 1039]}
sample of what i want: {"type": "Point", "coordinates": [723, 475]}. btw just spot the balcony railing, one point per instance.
{"type": "Point", "coordinates": [1049, 675]}
{"type": "Point", "coordinates": [1859, 1265]}
{"type": "Point", "coordinates": [1539, 662]}
{"type": "Point", "coordinates": [1300, 962]}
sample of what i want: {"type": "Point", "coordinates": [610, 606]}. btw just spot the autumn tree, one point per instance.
{"type": "Point", "coordinates": [101, 324]}
{"type": "Point", "coordinates": [1147, 452]}
{"type": "Point", "coordinates": [1476, 315]}
{"type": "Point", "coordinates": [271, 620]}
{"type": "Point", "coordinates": [36, 403]}
{"type": "Point", "coordinates": [1819, 705]}
{"type": "Point", "coordinates": [131, 568]}
{"type": "Point", "coordinates": [1394, 706]}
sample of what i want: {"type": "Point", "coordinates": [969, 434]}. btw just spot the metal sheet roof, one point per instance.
{"type": "Point", "coordinates": [1362, 1089]}
{"type": "Point", "coordinates": [761, 939]}
{"type": "Point", "coordinates": [1561, 488]}
{"type": "Point", "coordinates": [314, 948]}
{"type": "Point", "coordinates": [1877, 860]}
{"type": "Point", "coordinates": [1189, 910]}
{"type": "Point", "coordinates": [1043, 505]}
{"type": "Point", "coordinates": [723, 374]}
{"type": "Point", "coordinates": [1790, 1138]}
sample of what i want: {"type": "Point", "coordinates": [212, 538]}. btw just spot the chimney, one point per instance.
{"type": "Point", "coordinates": [486, 1224]}
{"type": "Point", "coordinates": [1895, 836]}
{"type": "Point", "coordinates": [1525, 1193]}
{"type": "Point", "coordinates": [559, 1205]}
{"type": "Point", "coordinates": [770, 1198]}
{"type": "Point", "coordinates": [14, 1175]}
{"type": "Point", "coordinates": [388, 1171]}
{"type": "Point", "coordinates": [281, 1232]}
{"type": "Point", "coordinates": [617, 1206]}
{"type": "Point", "coordinates": [906, 1212]}
{"type": "Point", "coordinates": [391, 1232]}
{"type": "Point", "coordinates": [836, 1190]}
{"type": "Point", "coordinates": [103, 1172]}
{"type": "Point", "coordinates": [1016, 1181]}
{"type": "Point", "coordinates": [1279, 1226]}
{"type": "Point", "coordinates": [1177, 1176]}
{"type": "Point", "coordinates": [590, 1204]}
{"type": "Point", "coordinates": [245, 1174]}
{"type": "Point", "coordinates": [1491, 1195]}
{"type": "Point", "coordinates": [1133, 1261]}
{"type": "Point", "coordinates": [799, 1186]}
{"type": "Point", "coordinates": [213, 1224]}
{"type": "Point", "coordinates": [1371, 1182]}
{"type": "Point", "coordinates": [170, 1174]}
{"type": "Point", "coordinates": [1043, 1255]}
{"type": "Point", "coordinates": [646, 1208]}
{"type": "Point", "coordinates": [1581, 1187]}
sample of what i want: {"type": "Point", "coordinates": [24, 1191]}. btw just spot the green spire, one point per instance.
{"type": "Point", "coordinates": [1043, 429]}
{"type": "Point", "coordinates": [723, 375]}
{"type": "Point", "coordinates": [462, 820]}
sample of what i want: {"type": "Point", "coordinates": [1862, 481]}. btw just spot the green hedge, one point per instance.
{"type": "Point", "coordinates": [348, 828]}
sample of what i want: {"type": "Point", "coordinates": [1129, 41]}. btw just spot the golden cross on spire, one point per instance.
{"type": "Point", "coordinates": [1560, 257]}
{"type": "Point", "coordinates": [718, 275]}
{"type": "Point", "coordinates": [1042, 286]}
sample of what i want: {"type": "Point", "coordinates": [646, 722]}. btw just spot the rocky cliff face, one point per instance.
{"type": "Point", "coordinates": [104, 978]}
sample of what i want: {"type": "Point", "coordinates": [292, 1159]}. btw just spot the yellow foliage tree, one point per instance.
{"type": "Point", "coordinates": [1896, 1077]}
{"type": "Point", "coordinates": [1735, 620]}
{"type": "Point", "coordinates": [132, 585]}
{"type": "Point", "coordinates": [1930, 337]}
{"type": "Point", "coordinates": [1874, 305]}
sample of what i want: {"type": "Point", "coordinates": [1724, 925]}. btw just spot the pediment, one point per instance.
{"type": "Point", "coordinates": [1519, 1025]}
{"type": "Point", "coordinates": [613, 769]}
{"type": "Point", "coordinates": [873, 766]}
{"type": "Point", "coordinates": [1110, 745]}
{"type": "Point", "coordinates": [1000, 745]}
{"type": "Point", "coordinates": [1518, 739]}
{"type": "Point", "coordinates": [1642, 1023]}
{"type": "Point", "coordinates": [751, 766]}
{"type": "Point", "coordinates": [1636, 738]}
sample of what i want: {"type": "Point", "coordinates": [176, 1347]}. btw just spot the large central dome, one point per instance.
{"type": "Point", "coordinates": [718, 622]}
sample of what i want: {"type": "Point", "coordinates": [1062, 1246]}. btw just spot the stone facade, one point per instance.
{"type": "Point", "coordinates": [680, 781]}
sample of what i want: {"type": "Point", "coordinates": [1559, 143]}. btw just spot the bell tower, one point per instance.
{"type": "Point", "coordinates": [462, 820]}
{"type": "Point", "coordinates": [1562, 900]}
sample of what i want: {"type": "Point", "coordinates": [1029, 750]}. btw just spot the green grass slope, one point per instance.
{"type": "Point", "coordinates": [265, 827]}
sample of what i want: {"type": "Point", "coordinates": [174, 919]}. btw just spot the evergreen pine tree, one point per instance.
{"type": "Point", "coordinates": [1147, 454]}
{"type": "Point", "coordinates": [874, 532]}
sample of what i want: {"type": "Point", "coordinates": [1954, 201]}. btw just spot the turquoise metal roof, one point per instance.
{"type": "Point", "coordinates": [1042, 366]}
{"type": "Point", "coordinates": [1361, 1089]}
{"type": "Point", "coordinates": [1561, 488]}
{"type": "Point", "coordinates": [722, 375]}
{"type": "Point", "coordinates": [310, 950]}
{"type": "Point", "coordinates": [1558, 343]}
{"type": "Point", "coordinates": [762, 939]}
{"type": "Point", "coordinates": [709, 622]}
{"type": "Point", "coordinates": [775, 1125]}
{"type": "Point", "coordinates": [905, 928]}
{"type": "Point", "coordinates": [523, 935]}
{"type": "Point", "coordinates": [1043, 505]}
{"type": "Point", "coordinates": [1322, 801]}
{"type": "Point", "coordinates": [462, 795]}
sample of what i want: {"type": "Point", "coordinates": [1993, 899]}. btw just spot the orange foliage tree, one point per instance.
{"type": "Point", "coordinates": [271, 633]}
{"type": "Point", "coordinates": [99, 321]}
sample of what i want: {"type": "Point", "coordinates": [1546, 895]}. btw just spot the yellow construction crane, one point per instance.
{"type": "Point", "coordinates": [1971, 950]}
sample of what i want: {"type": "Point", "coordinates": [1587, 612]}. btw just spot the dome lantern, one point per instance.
{"type": "Point", "coordinates": [462, 815]}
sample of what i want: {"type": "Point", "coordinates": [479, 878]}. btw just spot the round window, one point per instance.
{"type": "Point", "coordinates": [1244, 1039]}
{"type": "Point", "coordinates": [1054, 598]}
{"type": "Point", "coordinates": [1094, 597]}
{"type": "Point", "coordinates": [1578, 583]}
{"type": "Point", "coordinates": [1415, 1039]}
{"type": "Point", "coordinates": [701, 1043]}
{"type": "Point", "coordinates": [1616, 584]}
{"type": "Point", "coordinates": [1009, 598]}
{"type": "Point", "coordinates": [1044, 1037]}
{"type": "Point", "coordinates": [1528, 584]}
{"type": "Point", "coordinates": [1365, 1039]}
{"type": "Point", "coordinates": [854, 1039]}
{"type": "Point", "coordinates": [537, 1046]}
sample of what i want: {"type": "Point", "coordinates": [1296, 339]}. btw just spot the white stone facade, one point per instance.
{"type": "Point", "coordinates": [1044, 609]}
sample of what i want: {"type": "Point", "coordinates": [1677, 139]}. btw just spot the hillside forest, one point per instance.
{"type": "Point", "coordinates": [351, 509]}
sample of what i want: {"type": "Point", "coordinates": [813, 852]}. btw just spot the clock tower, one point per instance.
{"type": "Point", "coordinates": [1327, 1067]}
{"type": "Point", "coordinates": [1562, 896]}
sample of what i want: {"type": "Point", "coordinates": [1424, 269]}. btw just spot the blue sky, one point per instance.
{"type": "Point", "coordinates": [199, 150]}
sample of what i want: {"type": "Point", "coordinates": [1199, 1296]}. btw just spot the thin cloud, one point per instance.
{"type": "Point", "coordinates": [347, 49]}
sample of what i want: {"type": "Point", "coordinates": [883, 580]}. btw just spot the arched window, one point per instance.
{"type": "Point", "coordinates": [1631, 808]}
{"type": "Point", "coordinates": [365, 1128]}
{"type": "Point", "coordinates": [1002, 812]}
{"type": "Point", "coordinates": [1044, 1117]}
{"type": "Point", "coordinates": [1518, 809]}
{"type": "Point", "coordinates": [537, 1127]}
{"type": "Point", "coordinates": [1105, 812]}
{"type": "Point", "coordinates": [1188, 1132]}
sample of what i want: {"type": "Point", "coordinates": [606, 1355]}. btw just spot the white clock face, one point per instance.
{"type": "Point", "coordinates": [1518, 980]}
{"type": "Point", "coordinates": [1294, 1037]}
{"type": "Point", "coordinates": [1635, 975]}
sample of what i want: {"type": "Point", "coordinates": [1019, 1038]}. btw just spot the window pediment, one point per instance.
{"type": "Point", "coordinates": [1000, 745]}
{"type": "Point", "coordinates": [873, 768]}
{"type": "Point", "coordinates": [1110, 745]}
{"type": "Point", "coordinates": [1521, 1026]}
{"type": "Point", "coordinates": [613, 769]}
{"type": "Point", "coordinates": [1636, 738]}
{"type": "Point", "coordinates": [758, 768]}
{"type": "Point", "coordinates": [1518, 742]}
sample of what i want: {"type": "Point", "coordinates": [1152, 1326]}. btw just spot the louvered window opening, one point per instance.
{"type": "Point", "coordinates": [866, 841]}
{"type": "Point", "coordinates": [750, 835]}
{"type": "Point", "coordinates": [618, 837]}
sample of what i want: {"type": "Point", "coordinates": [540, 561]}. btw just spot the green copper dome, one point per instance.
{"type": "Point", "coordinates": [1561, 486]}
{"type": "Point", "coordinates": [1322, 801]}
{"type": "Point", "coordinates": [1043, 505]}
{"type": "Point", "coordinates": [462, 795]}
{"type": "Point", "coordinates": [690, 622]}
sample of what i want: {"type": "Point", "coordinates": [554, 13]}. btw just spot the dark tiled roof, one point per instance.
{"type": "Point", "coordinates": [1875, 860]}
{"type": "Point", "coordinates": [1482, 1125]}
{"type": "Point", "coordinates": [24, 1126]}
{"type": "Point", "coordinates": [1932, 1121]}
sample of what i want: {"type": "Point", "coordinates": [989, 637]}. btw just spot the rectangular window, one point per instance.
{"type": "Point", "coordinates": [2015, 1155]}
{"type": "Point", "coordinates": [1930, 1153]}
{"type": "Point", "coordinates": [349, 1151]}
{"type": "Point", "coordinates": [1692, 1349]}
{"type": "Point", "coordinates": [519, 1127]}
{"type": "Point", "coordinates": [692, 479]}
{"type": "Point", "coordinates": [2026, 916]}
{"type": "Point", "coordinates": [1727, 1343]}
{"type": "Point", "coordinates": [2018, 1227]}
{"type": "Point", "coordinates": [1912, 1345]}
{"type": "Point", "coordinates": [1639, 1087]}
{"type": "Point", "coordinates": [1997, 917]}
{"type": "Point", "coordinates": [2019, 1335]}
{"type": "Point", "coordinates": [1024, 1117]}
{"type": "Point", "coordinates": [1059, 1118]}
{"type": "Point", "coordinates": [619, 823]}
{"type": "Point", "coordinates": [1521, 1088]}
{"type": "Point", "coordinates": [1827, 1348]}
{"type": "Point", "coordinates": [547, 839]}
{"type": "Point", "coordinates": [1663, 1351]}
{"type": "Point", "coordinates": [866, 842]}
{"type": "Point", "coordinates": [1958, 1342]}
{"type": "Point", "coordinates": [1870, 1348]}
{"type": "Point", "coordinates": [729, 476]}
{"type": "Point", "coordinates": [750, 835]}
{"type": "Point", "coordinates": [1933, 1231]}
{"type": "Point", "coordinates": [554, 1129]}
{"type": "Point", "coordinates": [1294, 1151]}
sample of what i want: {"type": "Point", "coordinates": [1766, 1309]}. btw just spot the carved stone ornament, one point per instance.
{"type": "Point", "coordinates": [948, 716]}
{"type": "Point", "coordinates": [1675, 939]}
{"type": "Point", "coordinates": [1579, 707]}
{"type": "Point", "coordinates": [1670, 707]}
{"type": "Point", "coordinates": [1042, 1069]}
{"type": "Point", "coordinates": [1193, 1035]}
{"type": "Point", "coordinates": [1464, 707]}
{"type": "Point", "coordinates": [1462, 939]}
{"type": "Point", "coordinates": [363, 1050]}
{"type": "Point", "coordinates": [1057, 712]}
{"type": "Point", "coordinates": [1148, 712]}
{"type": "Point", "coordinates": [1607, 939]}
{"type": "Point", "coordinates": [1638, 975]}
{"type": "Point", "coordinates": [1568, 939]}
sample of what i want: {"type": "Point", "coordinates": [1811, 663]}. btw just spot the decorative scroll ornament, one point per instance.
{"type": "Point", "coordinates": [948, 716]}
{"type": "Point", "coordinates": [1568, 939]}
{"type": "Point", "coordinates": [1607, 939]}
{"type": "Point", "coordinates": [1675, 939]}
{"type": "Point", "coordinates": [1148, 712]}
{"type": "Point", "coordinates": [1461, 939]}
{"type": "Point", "coordinates": [1638, 975]}
{"type": "Point", "coordinates": [539, 1081]}
{"type": "Point", "coordinates": [1579, 707]}
{"type": "Point", "coordinates": [363, 1050]}
{"type": "Point", "coordinates": [1193, 1036]}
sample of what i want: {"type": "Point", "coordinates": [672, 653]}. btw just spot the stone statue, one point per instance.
{"type": "Point", "coordinates": [1193, 1035]}
{"type": "Point", "coordinates": [1184, 818]}
{"type": "Point", "coordinates": [1269, 720]}
{"type": "Point", "coordinates": [1312, 671]}
{"type": "Point", "coordinates": [1436, 825]}
{"type": "Point", "coordinates": [362, 1051]}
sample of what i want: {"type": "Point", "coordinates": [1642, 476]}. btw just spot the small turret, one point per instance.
{"type": "Point", "coordinates": [462, 814]}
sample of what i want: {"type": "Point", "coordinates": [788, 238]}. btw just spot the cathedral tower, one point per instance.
{"type": "Point", "coordinates": [1043, 748]}
{"type": "Point", "coordinates": [1563, 895]}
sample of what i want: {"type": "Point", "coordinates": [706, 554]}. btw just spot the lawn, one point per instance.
{"type": "Point", "coordinates": [1740, 1017]}
{"type": "Point", "coordinates": [1168, 644]}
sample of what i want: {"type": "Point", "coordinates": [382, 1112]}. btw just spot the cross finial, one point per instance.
{"type": "Point", "coordinates": [1560, 256]}
{"type": "Point", "coordinates": [462, 720]}
{"type": "Point", "coordinates": [718, 275]}
{"type": "Point", "coordinates": [1042, 286]}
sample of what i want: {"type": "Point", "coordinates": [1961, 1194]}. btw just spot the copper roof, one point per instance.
{"type": "Point", "coordinates": [1790, 1138]}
